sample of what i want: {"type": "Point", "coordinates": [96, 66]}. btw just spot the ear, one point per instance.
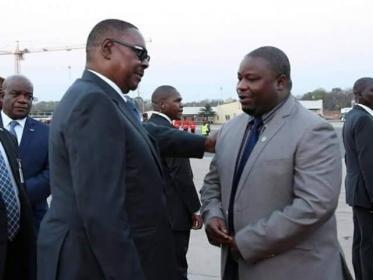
{"type": "Point", "coordinates": [281, 82]}
{"type": "Point", "coordinates": [105, 49]}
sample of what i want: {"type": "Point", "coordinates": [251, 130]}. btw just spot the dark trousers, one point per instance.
{"type": "Point", "coordinates": [231, 268]}
{"type": "Point", "coordinates": [14, 265]}
{"type": "Point", "coordinates": [181, 239]}
{"type": "Point", "coordinates": [362, 246]}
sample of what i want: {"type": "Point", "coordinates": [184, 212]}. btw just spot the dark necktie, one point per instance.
{"type": "Point", "coordinates": [133, 109]}
{"type": "Point", "coordinates": [10, 200]}
{"type": "Point", "coordinates": [256, 125]}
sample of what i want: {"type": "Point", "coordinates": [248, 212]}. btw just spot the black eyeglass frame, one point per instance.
{"type": "Point", "coordinates": [140, 52]}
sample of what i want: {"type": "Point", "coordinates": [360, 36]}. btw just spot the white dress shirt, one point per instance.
{"type": "Point", "coordinates": [162, 115]}
{"type": "Point", "coordinates": [366, 108]}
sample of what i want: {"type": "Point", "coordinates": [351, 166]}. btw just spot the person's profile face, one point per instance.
{"type": "Point", "coordinates": [256, 86]}
{"type": "Point", "coordinates": [17, 98]}
{"type": "Point", "coordinates": [127, 68]}
{"type": "Point", "coordinates": [173, 107]}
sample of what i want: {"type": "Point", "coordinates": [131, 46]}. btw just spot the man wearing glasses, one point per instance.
{"type": "Point", "coordinates": [32, 138]}
{"type": "Point", "coordinates": [107, 220]}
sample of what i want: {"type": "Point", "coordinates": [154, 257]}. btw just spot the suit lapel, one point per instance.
{"type": "Point", "coordinates": [118, 100]}
{"type": "Point", "coordinates": [269, 131]}
{"type": "Point", "coordinates": [27, 135]}
{"type": "Point", "coordinates": [236, 139]}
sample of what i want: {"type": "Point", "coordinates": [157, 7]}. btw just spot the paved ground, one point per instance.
{"type": "Point", "coordinates": [204, 259]}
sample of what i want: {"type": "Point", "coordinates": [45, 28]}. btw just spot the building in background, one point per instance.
{"type": "Point", "coordinates": [315, 106]}
{"type": "Point", "coordinates": [228, 111]}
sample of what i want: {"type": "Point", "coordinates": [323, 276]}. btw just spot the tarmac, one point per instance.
{"type": "Point", "coordinates": [204, 259]}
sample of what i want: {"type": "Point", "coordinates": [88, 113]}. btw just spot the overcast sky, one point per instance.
{"type": "Point", "coordinates": [196, 46]}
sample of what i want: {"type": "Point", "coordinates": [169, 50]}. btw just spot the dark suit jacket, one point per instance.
{"type": "Point", "coordinates": [107, 218]}
{"type": "Point", "coordinates": [181, 195]}
{"type": "Point", "coordinates": [33, 151]}
{"type": "Point", "coordinates": [358, 142]}
{"type": "Point", "coordinates": [26, 237]}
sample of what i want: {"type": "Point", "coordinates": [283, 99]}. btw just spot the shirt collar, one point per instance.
{"type": "Point", "coordinates": [6, 120]}
{"type": "Point", "coordinates": [110, 83]}
{"type": "Point", "coordinates": [163, 115]}
{"type": "Point", "coordinates": [366, 108]}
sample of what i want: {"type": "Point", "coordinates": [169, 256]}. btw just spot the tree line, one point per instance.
{"type": "Point", "coordinates": [333, 100]}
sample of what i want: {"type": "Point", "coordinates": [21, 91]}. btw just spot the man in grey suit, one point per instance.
{"type": "Point", "coordinates": [272, 189]}
{"type": "Point", "coordinates": [358, 142]}
{"type": "Point", "coordinates": [107, 218]}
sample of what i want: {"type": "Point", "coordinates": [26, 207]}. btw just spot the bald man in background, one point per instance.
{"type": "Point", "coordinates": [32, 138]}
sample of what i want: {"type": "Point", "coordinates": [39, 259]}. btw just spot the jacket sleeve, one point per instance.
{"type": "Point", "coordinates": [211, 191]}
{"type": "Point", "coordinates": [363, 134]}
{"type": "Point", "coordinates": [175, 143]}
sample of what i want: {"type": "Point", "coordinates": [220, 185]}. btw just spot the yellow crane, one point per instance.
{"type": "Point", "coordinates": [19, 53]}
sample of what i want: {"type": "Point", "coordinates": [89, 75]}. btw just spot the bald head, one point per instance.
{"type": "Point", "coordinates": [363, 91]}
{"type": "Point", "coordinates": [162, 93]}
{"type": "Point", "coordinates": [17, 96]}
{"type": "Point", "coordinates": [103, 30]}
{"type": "Point", "coordinates": [10, 82]}
{"type": "Point", "coordinates": [361, 84]}
{"type": "Point", "coordinates": [167, 100]}
{"type": "Point", "coordinates": [277, 61]}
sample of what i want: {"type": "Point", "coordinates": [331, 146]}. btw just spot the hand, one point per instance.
{"type": "Point", "coordinates": [197, 221]}
{"type": "Point", "coordinates": [217, 232]}
{"type": "Point", "coordinates": [211, 142]}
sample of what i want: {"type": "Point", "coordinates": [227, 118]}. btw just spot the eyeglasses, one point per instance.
{"type": "Point", "coordinates": [140, 52]}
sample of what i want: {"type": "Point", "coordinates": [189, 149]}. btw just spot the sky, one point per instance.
{"type": "Point", "coordinates": [195, 46]}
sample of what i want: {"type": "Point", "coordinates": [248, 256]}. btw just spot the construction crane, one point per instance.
{"type": "Point", "coordinates": [19, 54]}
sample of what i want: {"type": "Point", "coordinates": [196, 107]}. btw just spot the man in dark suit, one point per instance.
{"type": "Point", "coordinates": [181, 195]}
{"type": "Point", "coordinates": [107, 219]}
{"type": "Point", "coordinates": [358, 142]}
{"type": "Point", "coordinates": [32, 137]}
{"type": "Point", "coordinates": [17, 233]}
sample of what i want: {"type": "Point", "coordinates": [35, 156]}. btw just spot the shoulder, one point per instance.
{"type": "Point", "coordinates": [358, 119]}
{"type": "Point", "coordinates": [236, 121]}
{"type": "Point", "coordinates": [37, 124]}
{"type": "Point", "coordinates": [307, 119]}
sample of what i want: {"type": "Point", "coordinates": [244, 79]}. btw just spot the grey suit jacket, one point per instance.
{"type": "Point", "coordinates": [286, 198]}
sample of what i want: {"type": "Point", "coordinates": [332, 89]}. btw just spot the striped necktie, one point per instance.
{"type": "Point", "coordinates": [10, 200]}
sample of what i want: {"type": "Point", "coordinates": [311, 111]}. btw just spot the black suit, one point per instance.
{"type": "Point", "coordinates": [358, 142]}
{"type": "Point", "coordinates": [182, 200]}
{"type": "Point", "coordinates": [17, 257]}
{"type": "Point", "coordinates": [107, 219]}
